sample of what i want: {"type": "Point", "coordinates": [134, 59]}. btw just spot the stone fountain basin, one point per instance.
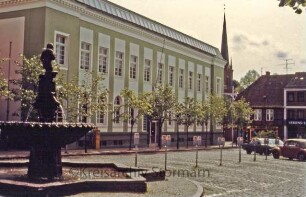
{"type": "Point", "coordinates": [43, 134]}
{"type": "Point", "coordinates": [78, 177]}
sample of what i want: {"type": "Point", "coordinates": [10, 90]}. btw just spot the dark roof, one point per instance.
{"type": "Point", "coordinates": [129, 16]}
{"type": "Point", "coordinates": [298, 81]}
{"type": "Point", "coordinates": [266, 91]}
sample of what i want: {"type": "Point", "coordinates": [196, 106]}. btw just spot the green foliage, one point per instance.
{"type": "Point", "coordinates": [3, 86]}
{"type": "Point", "coordinates": [249, 78]}
{"type": "Point", "coordinates": [295, 4]}
{"type": "Point", "coordinates": [204, 111]}
{"type": "Point", "coordinates": [84, 99]}
{"type": "Point", "coordinates": [217, 108]}
{"type": "Point", "coordinates": [266, 133]}
{"type": "Point", "coordinates": [241, 112]}
{"type": "Point", "coordinates": [189, 111]}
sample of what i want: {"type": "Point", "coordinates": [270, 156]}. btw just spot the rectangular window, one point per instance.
{"type": "Point", "coordinates": [199, 87]}
{"type": "Point", "coordinates": [190, 80]}
{"type": "Point", "coordinates": [290, 96]}
{"type": "Point", "coordinates": [171, 75]}
{"type": "Point", "coordinates": [291, 114]}
{"type": "Point", "coordinates": [258, 115]}
{"type": "Point", "coordinates": [300, 96]}
{"type": "Point", "coordinates": [61, 45]}
{"type": "Point", "coordinates": [133, 66]}
{"type": "Point", "coordinates": [147, 70]}
{"type": "Point", "coordinates": [145, 123]}
{"type": "Point", "coordinates": [207, 84]}
{"type": "Point", "coordinates": [160, 73]}
{"type": "Point", "coordinates": [300, 114]}
{"type": "Point", "coordinates": [119, 64]}
{"type": "Point", "coordinates": [269, 114]}
{"type": "Point", "coordinates": [218, 86]}
{"type": "Point", "coordinates": [85, 56]}
{"type": "Point", "coordinates": [103, 60]}
{"type": "Point", "coordinates": [83, 113]}
{"type": "Point", "coordinates": [181, 78]}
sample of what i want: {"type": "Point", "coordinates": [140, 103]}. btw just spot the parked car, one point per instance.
{"type": "Point", "coordinates": [260, 147]}
{"type": "Point", "coordinates": [292, 149]}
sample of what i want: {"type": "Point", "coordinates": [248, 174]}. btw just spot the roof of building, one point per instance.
{"type": "Point", "coordinates": [298, 81]}
{"type": "Point", "coordinates": [129, 16]}
{"type": "Point", "coordinates": [267, 91]}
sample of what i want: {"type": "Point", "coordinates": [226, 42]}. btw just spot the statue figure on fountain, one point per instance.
{"type": "Point", "coordinates": [46, 88]}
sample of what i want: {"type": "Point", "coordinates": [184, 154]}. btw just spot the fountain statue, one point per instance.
{"type": "Point", "coordinates": [46, 137]}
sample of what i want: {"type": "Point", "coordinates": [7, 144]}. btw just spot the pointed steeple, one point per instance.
{"type": "Point", "coordinates": [224, 46]}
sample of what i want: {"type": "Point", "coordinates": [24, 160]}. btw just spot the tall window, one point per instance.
{"type": "Point", "coordinates": [83, 113]}
{"type": "Point", "coordinates": [181, 78]}
{"type": "Point", "coordinates": [300, 114]}
{"type": "Point", "coordinates": [291, 114]}
{"type": "Point", "coordinates": [85, 55]}
{"type": "Point", "coordinates": [117, 104]}
{"type": "Point", "coordinates": [133, 66]}
{"type": "Point", "coordinates": [61, 45]}
{"type": "Point", "coordinates": [103, 60]}
{"type": "Point", "coordinates": [218, 86]}
{"type": "Point", "coordinates": [119, 64]}
{"type": "Point", "coordinates": [199, 84]}
{"type": "Point", "coordinates": [160, 73]}
{"type": "Point", "coordinates": [258, 114]}
{"type": "Point", "coordinates": [145, 123]}
{"type": "Point", "coordinates": [190, 80]}
{"type": "Point", "coordinates": [269, 114]}
{"type": "Point", "coordinates": [290, 96]}
{"type": "Point", "coordinates": [300, 96]}
{"type": "Point", "coordinates": [171, 75]}
{"type": "Point", "coordinates": [101, 114]}
{"type": "Point", "coordinates": [147, 70]}
{"type": "Point", "coordinates": [207, 84]}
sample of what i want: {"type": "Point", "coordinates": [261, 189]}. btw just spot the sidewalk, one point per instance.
{"type": "Point", "coordinates": [20, 154]}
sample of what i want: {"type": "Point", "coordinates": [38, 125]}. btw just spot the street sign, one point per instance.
{"type": "Point", "coordinates": [221, 141]}
{"type": "Point", "coordinates": [240, 140]}
{"type": "Point", "coordinates": [136, 139]}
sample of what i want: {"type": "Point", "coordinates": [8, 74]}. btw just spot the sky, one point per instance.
{"type": "Point", "coordinates": [261, 35]}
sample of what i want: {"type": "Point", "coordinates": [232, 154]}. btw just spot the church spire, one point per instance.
{"type": "Point", "coordinates": [224, 46]}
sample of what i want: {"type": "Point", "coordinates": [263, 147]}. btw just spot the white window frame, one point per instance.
{"type": "Point", "coordinates": [133, 67]}
{"type": "Point", "coordinates": [65, 50]}
{"type": "Point", "coordinates": [258, 114]}
{"type": "Point", "coordinates": [117, 104]}
{"type": "Point", "coordinates": [147, 70]}
{"type": "Point", "coordinates": [207, 84]}
{"type": "Point", "coordinates": [160, 67]}
{"type": "Point", "coordinates": [269, 114]}
{"type": "Point", "coordinates": [103, 115]}
{"type": "Point", "coordinates": [119, 63]}
{"type": "Point", "coordinates": [181, 78]}
{"type": "Point", "coordinates": [190, 80]}
{"type": "Point", "coordinates": [103, 60]}
{"type": "Point", "coordinates": [199, 84]}
{"type": "Point", "coordinates": [171, 76]}
{"type": "Point", "coordinates": [85, 62]}
{"type": "Point", "coordinates": [218, 86]}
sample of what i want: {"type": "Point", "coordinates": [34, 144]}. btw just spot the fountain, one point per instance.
{"type": "Point", "coordinates": [46, 137]}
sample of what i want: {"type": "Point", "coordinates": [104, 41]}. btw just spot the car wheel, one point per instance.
{"type": "Point", "coordinates": [248, 152]}
{"type": "Point", "coordinates": [275, 154]}
{"type": "Point", "coordinates": [301, 157]}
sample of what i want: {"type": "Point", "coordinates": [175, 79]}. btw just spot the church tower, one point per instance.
{"type": "Point", "coordinates": [228, 69]}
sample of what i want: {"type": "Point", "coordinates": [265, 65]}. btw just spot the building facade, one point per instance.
{"type": "Point", "coordinates": [277, 101]}
{"type": "Point", "coordinates": [295, 107]}
{"type": "Point", "coordinates": [130, 50]}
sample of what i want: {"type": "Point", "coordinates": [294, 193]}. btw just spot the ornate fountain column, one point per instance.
{"type": "Point", "coordinates": [45, 155]}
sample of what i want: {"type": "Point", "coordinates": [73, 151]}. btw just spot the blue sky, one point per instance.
{"type": "Point", "coordinates": [261, 35]}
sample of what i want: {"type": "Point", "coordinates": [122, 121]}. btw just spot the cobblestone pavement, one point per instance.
{"type": "Point", "coordinates": [269, 177]}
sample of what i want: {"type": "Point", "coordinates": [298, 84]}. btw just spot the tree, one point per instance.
{"type": "Point", "coordinates": [237, 87]}
{"type": "Point", "coordinates": [295, 4]}
{"type": "Point", "coordinates": [162, 102]}
{"type": "Point", "coordinates": [241, 113]}
{"type": "Point", "coordinates": [189, 113]}
{"type": "Point", "coordinates": [135, 107]}
{"type": "Point", "coordinates": [3, 86]}
{"type": "Point", "coordinates": [204, 116]}
{"type": "Point", "coordinates": [218, 111]}
{"type": "Point", "coordinates": [84, 98]}
{"type": "Point", "coordinates": [249, 78]}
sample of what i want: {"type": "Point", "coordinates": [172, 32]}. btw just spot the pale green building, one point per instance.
{"type": "Point", "coordinates": [132, 51]}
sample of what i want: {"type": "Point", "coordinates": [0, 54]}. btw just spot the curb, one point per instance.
{"type": "Point", "coordinates": [200, 189]}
